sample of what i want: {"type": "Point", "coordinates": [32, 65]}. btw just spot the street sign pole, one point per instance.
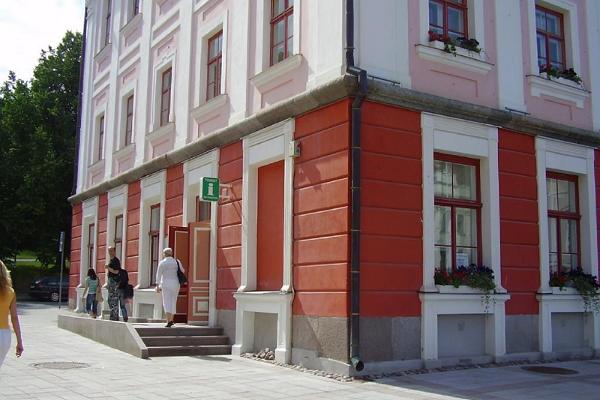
{"type": "Point", "coordinates": [61, 249]}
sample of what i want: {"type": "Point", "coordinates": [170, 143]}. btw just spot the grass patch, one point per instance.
{"type": "Point", "coordinates": [24, 274]}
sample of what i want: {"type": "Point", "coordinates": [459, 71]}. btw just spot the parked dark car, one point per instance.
{"type": "Point", "coordinates": [47, 288]}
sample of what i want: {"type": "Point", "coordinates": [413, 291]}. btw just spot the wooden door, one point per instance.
{"type": "Point", "coordinates": [179, 242]}
{"type": "Point", "coordinates": [199, 272]}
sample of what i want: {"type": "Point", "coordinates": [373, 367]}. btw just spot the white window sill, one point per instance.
{"type": "Point", "coordinates": [104, 52]}
{"type": "Point", "coordinates": [96, 166]}
{"type": "Point", "coordinates": [209, 107]}
{"type": "Point", "coordinates": [266, 78]}
{"type": "Point", "coordinates": [161, 131]}
{"type": "Point", "coordinates": [559, 88]}
{"type": "Point", "coordinates": [124, 151]}
{"type": "Point", "coordinates": [132, 25]}
{"type": "Point", "coordinates": [464, 59]}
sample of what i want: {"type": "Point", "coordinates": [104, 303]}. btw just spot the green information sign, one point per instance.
{"type": "Point", "coordinates": [210, 189]}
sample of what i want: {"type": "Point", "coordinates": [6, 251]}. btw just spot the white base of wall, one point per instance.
{"type": "Point", "coordinates": [147, 297]}
{"type": "Point", "coordinates": [80, 306]}
{"type": "Point", "coordinates": [310, 359]}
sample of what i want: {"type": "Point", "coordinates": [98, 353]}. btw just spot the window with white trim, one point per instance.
{"type": "Point", "coordinates": [563, 222]}
{"type": "Point", "coordinates": [100, 139]}
{"type": "Point", "coordinates": [129, 107]}
{"type": "Point", "coordinates": [550, 38]}
{"type": "Point", "coordinates": [165, 96]}
{"type": "Point", "coordinates": [214, 65]}
{"type": "Point", "coordinates": [107, 22]}
{"type": "Point", "coordinates": [91, 245]}
{"type": "Point", "coordinates": [154, 236]}
{"type": "Point", "coordinates": [282, 30]}
{"type": "Point", "coordinates": [449, 18]}
{"type": "Point", "coordinates": [118, 241]}
{"type": "Point", "coordinates": [457, 212]}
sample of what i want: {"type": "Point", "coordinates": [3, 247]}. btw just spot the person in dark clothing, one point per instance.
{"type": "Point", "coordinates": [113, 267]}
{"type": "Point", "coordinates": [122, 290]}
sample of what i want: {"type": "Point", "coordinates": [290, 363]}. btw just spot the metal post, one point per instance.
{"type": "Point", "coordinates": [61, 249]}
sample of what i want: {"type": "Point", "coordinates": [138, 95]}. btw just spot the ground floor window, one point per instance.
{"type": "Point", "coordinates": [154, 235]}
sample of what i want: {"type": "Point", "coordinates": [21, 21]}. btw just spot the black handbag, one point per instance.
{"type": "Point", "coordinates": [180, 275]}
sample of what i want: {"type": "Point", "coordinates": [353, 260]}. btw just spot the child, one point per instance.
{"type": "Point", "coordinates": [92, 293]}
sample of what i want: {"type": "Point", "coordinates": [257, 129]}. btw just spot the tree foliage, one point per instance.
{"type": "Point", "coordinates": [37, 151]}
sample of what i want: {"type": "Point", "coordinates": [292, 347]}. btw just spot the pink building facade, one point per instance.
{"type": "Point", "coordinates": [474, 142]}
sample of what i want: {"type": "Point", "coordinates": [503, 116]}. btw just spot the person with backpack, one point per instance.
{"type": "Point", "coordinates": [123, 289]}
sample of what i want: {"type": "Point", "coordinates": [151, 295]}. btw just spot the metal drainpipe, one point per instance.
{"type": "Point", "coordinates": [79, 100]}
{"type": "Point", "coordinates": [356, 117]}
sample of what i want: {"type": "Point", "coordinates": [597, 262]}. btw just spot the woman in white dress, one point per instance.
{"type": "Point", "coordinates": [168, 283]}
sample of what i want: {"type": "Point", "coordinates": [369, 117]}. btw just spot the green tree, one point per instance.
{"type": "Point", "coordinates": [37, 136]}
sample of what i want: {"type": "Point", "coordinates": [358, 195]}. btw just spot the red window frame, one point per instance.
{"type": "Point", "coordinates": [203, 210]}
{"type": "Point", "coordinates": [217, 62]}
{"type": "Point", "coordinates": [129, 121]}
{"type": "Point", "coordinates": [548, 35]}
{"type": "Point", "coordinates": [118, 242]}
{"type": "Point", "coordinates": [91, 244]}
{"type": "Point", "coordinates": [275, 19]}
{"type": "Point", "coordinates": [107, 22]}
{"type": "Point", "coordinates": [154, 245]}
{"type": "Point", "coordinates": [451, 4]}
{"type": "Point", "coordinates": [165, 96]}
{"type": "Point", "coordinates": [566, 215]}
{"type": "Point", "coordinates": [100, 154]}
{"type": "Point", "coordinates": [461, 203]}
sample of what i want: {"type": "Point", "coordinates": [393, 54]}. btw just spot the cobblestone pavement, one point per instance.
{"type": "Point", "coordinates": [111, 374]}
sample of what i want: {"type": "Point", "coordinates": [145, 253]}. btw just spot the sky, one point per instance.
{"type": "Point", "coordinates": [28, 26]}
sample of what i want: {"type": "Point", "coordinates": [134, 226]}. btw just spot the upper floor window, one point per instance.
{"type": "Point", "coordinates": [457, 212]}
{"type": "Point", "coordinates": [563, 222]}
{"type": "Point", "coordinates": [165, 96]}
{"type": "Point", "coordinates": [448, 18]}
{"type": "Point", "coordinates": [107, 22]}
{"type": "Point", "coordinates": [100, 153]}
{"type": "Point", "coordinates": [129, 121]}
{"type": "Point", "coordinates": [214, 64]}
{"type": "Point", "coordinates": [135, 8]}
{"type": "Point", "coordinates": [119, 236]}
{"type": "Point", "coordinates": [550, 36]}
{"type": "Point", "coordinates": [154, 235]}
{"type": "Point", "coordinates": [282, 30]}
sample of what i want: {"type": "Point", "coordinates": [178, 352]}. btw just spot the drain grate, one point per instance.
{"type": "Point", "coordinates": [60, 365]}
{"type": "Point", "coordinates": [551, 370]}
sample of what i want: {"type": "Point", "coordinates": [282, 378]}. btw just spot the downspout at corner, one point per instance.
{"type": "Point", "coordinates": [356, 117]}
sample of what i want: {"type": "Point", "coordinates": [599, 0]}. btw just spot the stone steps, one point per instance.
{"type": "Point", "coordinates": [183, 341]}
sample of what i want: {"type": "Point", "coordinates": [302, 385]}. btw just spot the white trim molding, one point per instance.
{"type": "Point", "coordinates": [193, 170]}
{"type": "Point", "coordinates": [468, 60]}
{"type": "Point", "coordinates": [271, 76]}
{"type": "Point", "coordinates": [560, 88]}
{"type": "Point", "coordinates": [468, 139]}
{"type": "Point", "coordinates": [262, 148]}
{"type": "Point", "coordinates": [574, 159]}
{"type": "Point", "coordinates": [89, 216]}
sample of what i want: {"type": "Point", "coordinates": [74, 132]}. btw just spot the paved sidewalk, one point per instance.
{"type": "Point", "coordinates": [111, 374]}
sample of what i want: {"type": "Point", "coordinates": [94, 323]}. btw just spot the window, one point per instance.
{"type": "Point", "coordinates": [154, 234]}
{"type": "Point", "coordinates": [91, 242]}
{"type": "Point", "coordinates": [107, 22]}
{"type": "Point", "coordinates": [449, 18]}
{"type": "Point", "coordinates": [100, 139]}
{"type": "Point", "coordinates": [119, 236]}
{"type": "Point", "coordinates": [135, 8]}
{"type": "Point", "coordinates": [129, 121]}
{"type": "Point", "coordinates": [202, 210]}
{"type": "Point", "coordinates": [550, 36]}
{"type": "Point", "coordinates": [165, 96]}
{"type": "Point", "coordinates": [282, 30]}
{"type": "Point", "coordinates": [213, 81]}
{"type": "Point", "coordinates": [457, 212]}
{"type": "Point", "coordinates": [563, 222]}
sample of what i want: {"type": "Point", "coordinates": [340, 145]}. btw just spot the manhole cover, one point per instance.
{"type": "Point", "coordinates": [61, 365]}
{"type": "Point", "coordinates": [551, 370]}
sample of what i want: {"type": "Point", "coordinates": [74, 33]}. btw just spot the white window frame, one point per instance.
{"type": "Point", "coordinates": [89, 216]}
{"type": "Point", "coordinates": [126, 92]}
{"type": "Point", "coordinates": [206, 31]}
{"type": "Point", "coordinates": [165, 64]}
{"type": "Point", "coordinates": [262, 148]}
{"type": "Point", "coordinates": [464, 59]}
{"type": "Point", "coordinates": [478, 141]}
{"type": "Point", "coordinates": [573, 159]}
{"type": "Point", "coordinates": [96, 139]}
{"type": "Point", "coordinates": [263, 40]}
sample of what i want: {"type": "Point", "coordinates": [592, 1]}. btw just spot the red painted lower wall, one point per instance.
{"type": "Point", "coordinates": [321, 207]}
{"type": "Point", "coordinates": [519, 231]}
{"type": "Point", "coordinates": [391, 211]}
{"type": "Point", "coordinates": [133, 231]}
{"type": "Point", "coordinates": [75, 259]}
{"type": "Point", "coordinates": [174, 197]}
{"type": "Point", "coordinates": [229, 227]}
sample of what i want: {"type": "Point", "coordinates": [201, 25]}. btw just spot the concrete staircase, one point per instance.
{"type": "Point", "coordinates": [183, 341]}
